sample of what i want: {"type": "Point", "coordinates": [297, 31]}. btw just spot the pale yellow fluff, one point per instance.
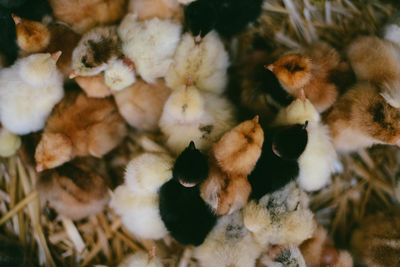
{"type": "Point", "coordinates": [140, 259]}
{"type": "Point", "coordinates": [9, 143]}
{"type": "Point", "coordinates": [118, 76]}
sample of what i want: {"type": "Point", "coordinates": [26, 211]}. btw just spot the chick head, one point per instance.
{"type": "Point", "coordinates": [289, 142]}
{"type": "Point", "coordinates": [185, 105]}
{"type": "Point", "coordinates": [118, 75]}
{"type": "Point", "coordinates": [191, 166]}
{"type": "Point", "coordinates": [292, 70]}
{"type": "Point", "coordinates": [53, 150]}
{"type": "Point", "coordinates": [32, 36]}
{"type": "Point", "coordinates": [200, 18]}
{"type": "Point", "coordinates": [37, 69]}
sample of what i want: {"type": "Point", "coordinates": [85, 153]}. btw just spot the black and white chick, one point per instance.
{"type": "Point", "coordinates": [185, 214]}
{"type": "Point", "coordinates": [278, 164]}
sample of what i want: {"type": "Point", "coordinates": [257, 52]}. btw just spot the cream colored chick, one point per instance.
{"type": "Point", "coordinates": [150, 44]}
{"type": "Point", "coordinates": [162, 9]}
{"type": "Point", "coordinates": [228, 244]}
{"type": "Point", "coordinates": [189, 115]}
{"type": "Point", "coordinates": [289, 256]}
{"type": "Point", "coordinates": [281, 218]}
{"type": "Point", "coordinates": [29, 89]}
{"type": "Point", "coordinates": [9, 142]}
{"type": "Point", "coordinates": [316, 163]}
{"type": "Point", "coordinates": [141, 259]}
{"type": "Point", "coordinates": [79, 126]}
{"type": "Point", "coordinates": [94, 86]}
{"type": "Point", "coordinates": [205, 64]}
{"type": "Point", "coordinates": [84, 15]}
{"type": "Point", "coordinates": [95, 50]}
{"type": "Point", "coordinates": [136, 201]}
{"type": "Point", "coordinates": [141, 104]}
{"type": "Point", "coordinates": [119, 75]}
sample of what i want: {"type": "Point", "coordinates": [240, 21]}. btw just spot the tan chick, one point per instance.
{"type": "Point", "coordinates": [79, 126]}
{"type": "Point", "coordinates": [94, 86]}
{"type": "Point", "coordinates": [75, 190]}
{"type": "Point", "coordinates": [141, 104]}
{"type": "Point", "coordinates": [84, 15]}
{"type": "Point", "coordinates": [162, 9]}
{"type": "Point", "coordinates": [310, 69]}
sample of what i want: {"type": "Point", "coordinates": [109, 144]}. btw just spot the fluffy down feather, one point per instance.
{"type": "Point", "coordinates": [288, 257]}
{"type": "Point", "coordinates": [150, 44]}
{"type": "Point", "coordinates": [9, 143]}
{"type": "Point", "coordinates": [141, 104]}
{"type": "Point", "coordinates": [118, 75]}
{"type": "Point", "coordinates": [140, 259]}
{"type": "Point", "coordinates": [28, 92]}
{"type": "Point", "coordinates": [93, 86]}
{"type": "Point", "coordinates": [162, 9]}
{"type": "Point", "coordinates": [317, 161]}
{"type": "Point", "coordinates": [228, 244]}
{"type": "Point", "coordinates": [32, 36]}
{"type": "Point", "coordinates": [206, 64]}
{"type": "Point", "coordinates": [189, 115]}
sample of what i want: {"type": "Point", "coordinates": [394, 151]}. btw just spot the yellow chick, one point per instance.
{"type": "Point", "coordinates": [9, 143]}
{"type": "Point", "coordinates": [141, 259]}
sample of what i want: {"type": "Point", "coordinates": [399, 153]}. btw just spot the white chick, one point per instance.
{"type": "Point", "coordinates": [9, 142]}
{"type": "Point", "coordinates": [316, 164]}
{"type": "Point", "coordinates": [136, 201]}
{"type": "Point", "coordinates": [94, 51]}
{"type": "Point", "coordinates": [150, 44]}
{"type": "Point", "coordinates": [189, 115]}
{"type": "Point", "coordinates": [119, 75]}
{"type": "Point", "coordinates": [29, 89]}
{"type": "Point", "coordinates": [228, 244]}
{"type": "Point", "coordinates": [205, 63]}
{"type": "Point", "coordinates": [140, 259]}
{"type": "Point", "coordinates": [288, 257]}
{"type": "Point", "coordinates": [281, 218]}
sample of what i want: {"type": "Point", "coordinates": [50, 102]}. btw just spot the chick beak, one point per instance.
{"type": "Point", "coordinates": [256, 119]}
{"type": "Point", "coordinates": [302, 95]}
{"type": "Point", "coordinates": [56, 55]}
{"type": "Point", "coordinates": [39, 168]}
{"type": "Point", "coordinates": [72, 74]}
{"type": "Point", "coordinates": [186, 184]}
{"type": "Point", "coordinates": [189, 81]}
{"type": "Point", "coordinates": [17, 20]}
{"type": "Point", "coordinates": [129, 63]}
{"type": "Point", "coordinates": [197, 39]}
{"type": "Point", "coordinates": [269, 67]}
{"type": "Point", "coordinates": [305, 125]}
{"type": "Point", "coordinates": [276, 152]}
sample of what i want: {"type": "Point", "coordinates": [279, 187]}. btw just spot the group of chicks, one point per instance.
{"type": "Point", "coordinates": [235, 191]}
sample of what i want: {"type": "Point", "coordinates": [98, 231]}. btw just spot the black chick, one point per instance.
{"type": "Point", "coordinates": [277, 165]}
{"type": "Point", "coordinates": [185, 214]}
{"type": "Point", "coordinates": [227, 17]}
{"type": "Point", "coordinates": [12, 253]}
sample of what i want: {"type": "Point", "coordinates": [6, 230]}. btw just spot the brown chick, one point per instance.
{"type": "Point", "coordinates": [141, 104]}
{"type": "Point", "coordinates": [76, 189]}
{"type": "Point", "coordinates": [32, 36]}
{"type": "Point", "coordinates": [310, 69]}
{"type": "Point", "coordinates": [162, 9]}
{"type": "Point", "coordinates": [94, 86]}
{"type": "Point", "coordinates": [232, 159]}
{"type": "Point", "coordinates": [376, 242]}
{"type": "Point", "coordinates": [362, 118]}
{"type": "Point", "coordinates": [84, 15]}
{"type": "Point", "coordinates": [79, 126]}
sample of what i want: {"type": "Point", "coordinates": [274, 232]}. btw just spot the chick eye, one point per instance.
{"type": "Point", "coordinates": [85, 63]}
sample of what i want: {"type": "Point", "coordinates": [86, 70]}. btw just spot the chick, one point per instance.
{"type": "Point", "coordinates": [28, 91]}
{"type": "Point", "coordinates": [94, 86]}
{"type": "Point", "coordinates": [137, 201]}
{"type": "Point", "coordinates": [189, 115]}
{"type": "Point", "coordinates": [12, 253]}
{"type": "Point", "coordinates": [119, 75]}
{"type": "Point", "coordinates": [205, 64]}
{"type": "Point", "coordinates": [185, 214]}
{"type": "Point", "coordinates": [150, 44]}
{"type": "Point", "coordinates": [376, 241]}
{"type": "Point", "coordinates": [278, 164]}
{"type": "Point", "coordinates": [288, 256]}
{"type": "Point", "coordinates": [84, 15]}
{"type": "Point", "coordinates": [75, 190]}
{"type": "Point", "coordinates": [162, 9]}
{"type": "Point", "coordinates": [79, 126]}
{"type": "Point", "coordinates": [316, 163]}
{"type": "Point", "coordinates": [281, 218]}
{"type": "Point", "coordinates": [202, 16]}
{"type": "Point", "coordinates": [141, 104]}
{"type": "Point", "coordinates": [362, 118]}
{"type": "Point", "coordinates": [391, 30]}
{"type": "Point", "coordinates": [140, 259]}
{"type": "Point", "coordinates": [310, 69]}
{"type": "Point", "coordinates": [95, 50]}
{"type": "Point", "coordinates": [9, 142]}
{"type": "Point", "coordinates": [229, 244]}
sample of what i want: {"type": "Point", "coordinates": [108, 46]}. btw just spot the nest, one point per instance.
{"type": "Point", "coordinates": [367, 181]}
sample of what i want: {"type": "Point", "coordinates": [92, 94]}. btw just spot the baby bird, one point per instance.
{"type": "Point", "coordinates": [95, 50]}
{"type": "Point", "coordinates": [29, 89]}
{"type": "Point", "coordinates": [150, 44]}
{"type": "Point", "coordinates": [278, 164]}
{"type": "Point", "coordinates": [316, 163]}
{"type": "Point", "coordinates": [79, 126]}
{"type": "Point", "coordinates": [137, 200]}
{"type": "Point", "coordinates": [84, 15]}
{"type": "Point", "coordinates": [185, 214]}
{"type": "Point", "coordinates": [94, 86]}
{"type": "Point", "coordinates": [288, 256]}
{"type": "Point", "coordinates": [9, 143]}
{"type": "Point", "coordinates": [232, 159]}
{"type": "Point", "coordinates": [74, 190]}
{"type": "Point", "coordinates": [310, 69]}
{"type": "Point", "coordinates": [162, 9]}
{"type": "Point", "coordinates": [141, 104]}
{"type": "Point", "coordinates": [140, 259]}
{"type": "Point", "coordinates": [229, 244]}
{"type": "Point", "coordinates": [205, 64]}
{"type": "Point", "coordinates": [189, 115]}
{"type": "Point", "coordinates": [119, 75]}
